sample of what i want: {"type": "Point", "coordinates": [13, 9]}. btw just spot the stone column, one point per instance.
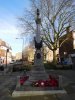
{"type": "Point", "coordinates": [60, 81]}
{"type": "Point", "coordinates": [18, 82]}
{"type": "Point", "coordinates": [38, 72]}
{"type": "Point", "coordinates": [38, 58]}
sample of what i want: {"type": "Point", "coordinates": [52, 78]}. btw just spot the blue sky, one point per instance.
{"type": "Point", "coordinates": [10, 10]}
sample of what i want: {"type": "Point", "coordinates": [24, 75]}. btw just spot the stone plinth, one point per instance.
{"type": "Point", "coordinates": [37, 92]}
{"type": "Point", "coordinates": [37, 73]}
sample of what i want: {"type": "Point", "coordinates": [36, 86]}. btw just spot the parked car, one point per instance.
{"type": "Point", "coordinates": [1, 68]}
{"type": "Point", "coordinates": [12, 62]}
{"type": "Point", "coordinates": [18, 62]}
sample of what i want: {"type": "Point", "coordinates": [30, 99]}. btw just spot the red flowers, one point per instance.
{"type": "Point", "coordinates": [23, 79]}
{"type": "Point", "coordinates": [51, 82]}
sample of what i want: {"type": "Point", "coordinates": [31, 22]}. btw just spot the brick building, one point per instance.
{"type": "Point", "coordinates": [67, 48]}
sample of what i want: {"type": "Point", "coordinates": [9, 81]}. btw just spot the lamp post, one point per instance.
{"type": "Point", "coordinates": [22, 46]}
{"type": "Point", "coordinates": [6, 56]}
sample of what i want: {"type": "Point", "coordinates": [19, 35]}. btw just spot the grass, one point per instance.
{"type": "Point", "coordinates": [24, 67]}
{"type": "Point", "coordinates": [51, 65]}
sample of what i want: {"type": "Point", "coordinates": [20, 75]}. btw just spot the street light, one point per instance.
{"type": "Point", "coordinates": [22, 46]}
{"type": "Point", "coordinates": [6, 56]}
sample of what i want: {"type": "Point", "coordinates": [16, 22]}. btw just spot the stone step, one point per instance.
{"type": "Point", "coordinates": [38, 72]}
{"type": "Point", "coordinates": [42, 76]}
{"type": "Point", "coordinates": [39, 68]}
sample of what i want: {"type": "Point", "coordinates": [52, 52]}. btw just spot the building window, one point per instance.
{"type": "Point", "coordinates": [73, 34]}
{"type": "Point", "coordinates": [73, 44]}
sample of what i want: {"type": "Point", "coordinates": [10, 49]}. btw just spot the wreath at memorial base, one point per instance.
{"type": "Point", "coordinates": [51, 82]}
{"type": "Point", "coordinates": [23, 79]}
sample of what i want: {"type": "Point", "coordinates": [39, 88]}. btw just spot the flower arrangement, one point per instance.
{"type": "Point", "coordinates": [23, 79]}
{"type": "Point", "coordinates": [51, 82]}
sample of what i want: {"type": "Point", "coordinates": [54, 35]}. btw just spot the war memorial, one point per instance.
{"type": "Point", "coordinates": [38, 82]}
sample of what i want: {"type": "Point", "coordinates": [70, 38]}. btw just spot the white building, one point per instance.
{"type": "Point", "coordinates": [4, 55]}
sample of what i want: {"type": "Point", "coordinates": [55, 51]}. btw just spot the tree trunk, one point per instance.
{"type": "Point", "coordinates": [54, 57]}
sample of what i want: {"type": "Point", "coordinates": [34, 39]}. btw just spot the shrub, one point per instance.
{"type": "Point", "coordinates": [27, 67]}
{"type": "Point", "coordinates": [49, 65]}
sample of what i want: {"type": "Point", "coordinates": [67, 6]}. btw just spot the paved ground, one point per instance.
{"type": "Point", "coordinates": [45, 97]}
{"type": "Point", "coordinates": [68, 79]}
{"type": "Point", "coordinates": [7, 85]}
{"type": "Point", "coordinates": [8, 82]}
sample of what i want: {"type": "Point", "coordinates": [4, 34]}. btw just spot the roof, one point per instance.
{"type": "Point", "coordinates": [3, 43]}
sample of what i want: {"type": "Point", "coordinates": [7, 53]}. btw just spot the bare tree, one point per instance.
{"type": "Point", "coordinates": [56, 15]}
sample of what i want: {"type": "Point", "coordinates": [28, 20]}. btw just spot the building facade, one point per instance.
{"type": "Point", "coordinates": [18, 56]}
{"type": "Point", "coordinates": [67, 48]}
{"type": "Point", "coordinates": [29, 53]}
{"type": "Point", "coordinates": [5, 56]}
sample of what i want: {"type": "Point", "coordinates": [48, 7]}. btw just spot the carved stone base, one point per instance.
{"type": "Point", "coordinates": [37, 73]}
{"type": "Point", "coordinates": [38, 58]}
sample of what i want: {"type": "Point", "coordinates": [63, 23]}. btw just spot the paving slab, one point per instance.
{"type": "Point", "coordinates": [40, 97]}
